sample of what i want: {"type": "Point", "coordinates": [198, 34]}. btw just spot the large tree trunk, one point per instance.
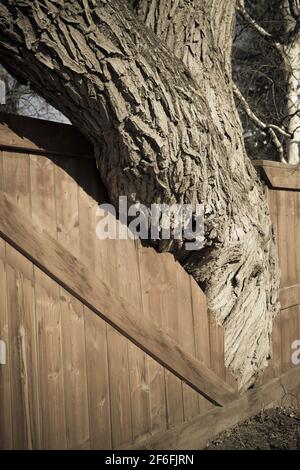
{"type": "Point", "coordinates": [159, 109]}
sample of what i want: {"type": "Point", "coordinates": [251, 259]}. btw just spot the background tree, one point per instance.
{"type": "Point", "coordinates": [267, 74]}
{"type": "Point", "coordinates": [149, 83]}
{"type": "Point", "coordinates": [18, 98]}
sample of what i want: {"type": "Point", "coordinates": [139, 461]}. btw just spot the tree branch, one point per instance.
{"type": "Point", "coordinates": [269, 128]}
{"type": "Point", "coordinates": [294, 9]}
{"type": "Point", "coordinates": [258, 28]}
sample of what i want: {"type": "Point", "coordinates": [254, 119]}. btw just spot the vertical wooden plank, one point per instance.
{"type": "Point", "coordinates": [129, 288]}
{"type": "Point", "coordinates": [217, 348]}
{"type": "Point", "coordinates": [75, 376]}
{"type": "Point", "coordinates": [73, 332]}
{"type": "Point", "coordinates": [202, 335]}
{"type": "Point", "coordinates": [276, 346]}
{"type": "Point", "coordinates": [90, 194]}
{"type": "Point", "coordinates": [291, 275]}
{"type": "Point", "coordinates": [153, 283]}
{"type": "Point", "coordinates": [51, 377]}
{"type": "Point", "coordinates": [272, 203]}
{"type": "Point", "coordinates": [43, 193]}
{"type": "Point", "coordinates": [16, 180]}
{"type": "Point", "coordinates": [87, 228]}
{"type": "Point", "coordinates": [119, 388]}
{"type": "Point", "coordinates": [21, 310]}
{"type": "Point", "coordinates": [1, 170]}
{"type": "Point", "coordinates": [106, 255]}
{"type": "Point", "coordinates": [67, 211]}
{"type": "Point", "coordinates": [282, 236]}
{"type": "Point", "coordinates": [201, 324]}
{"type": "Point", "coordinates": [158, 399]}
{"type": "Point", "coordinates": [174, 389]}
{"type": "Point", "coordinates": [23, 356]}
{"type": "Point", "coordinates": [152, 287]}
{"type": "Point", "coordinates": [274, 367]}
{"type": "Point", "coordinates": [139, 389]}
{"type": "Point", "coordinates": [298, 322]}
{"type": "Point", "coordinates": [48, 312]}
{"type": "Point", "coordinates": [106, 266]}
{"type": "Point", "coordinates": [98, 386]}
{"type": "Point", "coordinates": [6, 436]}
{"type": "Point", "coordinates": [186, 337]}
{"type": "Point", "coordinates": [95, 328]}
{"type": "Point", "coordinates": [285, 350]}
{"type": "Point", "coordinates": [297, 230]}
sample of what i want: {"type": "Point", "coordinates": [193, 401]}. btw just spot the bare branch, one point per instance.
{"type": "Point", "coordinates": [269, 128]}
{"type": "Point", "coordinates": [289, 116]}
{"type": "Point", "coordinates": [258, 28]}
{"type": "Point", "coordinates": [294, 9]}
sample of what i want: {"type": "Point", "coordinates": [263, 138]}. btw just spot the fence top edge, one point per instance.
{"type": "Point", "coordinates": [40, 137]}
{"type": "Point", "coordinates": [277, 175]}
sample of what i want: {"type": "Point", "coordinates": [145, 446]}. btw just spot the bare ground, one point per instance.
{"type": "Point", "coordinates": [274, 429]}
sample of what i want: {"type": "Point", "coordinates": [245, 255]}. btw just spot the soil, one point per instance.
{"type": "Point", "coordinates": [274, 429]}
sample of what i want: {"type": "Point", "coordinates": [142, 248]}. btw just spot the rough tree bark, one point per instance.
{"type": "Point", "coordinates": [159, 109]}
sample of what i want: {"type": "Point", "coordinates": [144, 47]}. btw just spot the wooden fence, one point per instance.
{"type": "Point", "coordinates": [109, 344]}
{"type": "Point", "coordinates": [283, 193]}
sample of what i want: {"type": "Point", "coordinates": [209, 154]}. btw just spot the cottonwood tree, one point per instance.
{"type": "Point", "coordinates": [149, 83]}
{"type": "Point", "coordinates": [267, 71]}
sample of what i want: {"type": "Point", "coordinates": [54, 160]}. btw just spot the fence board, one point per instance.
{"type": "Point", "coordinates": [186, 337]}
{"type": "Point", "coordinates": [67, 210]}
{"type": "Point", "coordinates": [174, 387]}
{"type": "Point", "coordinates": [6, 432]}
{"type": "Point", "coordinates": [201, 333]}
{"type": "Point", "coordinates": [216, 333]}
{"type": "Point", "coordinates": [23, 357]}
{"type": "Point", "coordinates": [75, 374]}
{"type": "Point", "coordinates": [51, 375]}
{"type": "Point", "coordinates": [297, 232]}
{"type": "Point", "coordinates": [119, 388]}
{"type": "Point", "coordinates": [98, 383]}
{"type": "Point", "coordinates": [43, 193]}
{"type": "Point", "coordinates": [152, 289]}
{"type": "Point", "coordinates": [16, 180]}
{"type": "Point", "coordinates": [1, 171]}
{"type": "Point", "coordinates": [281, 202]}
{"type": "Point", "coordinates": [41, 137]}
{"type": "Point", "coordinates": [291, 277]}
{"type": "Point", "coordinates": [129, 289]}
{"type": "Point", "coordinates": [276, 346]}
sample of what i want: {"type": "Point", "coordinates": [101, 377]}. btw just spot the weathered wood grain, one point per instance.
{"type": "Point", "coordinates": [70, 272]}
{"type": "Point", "coordinates": [6, 415]}
{"type": "Point", "coordinates": [196, 433]}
